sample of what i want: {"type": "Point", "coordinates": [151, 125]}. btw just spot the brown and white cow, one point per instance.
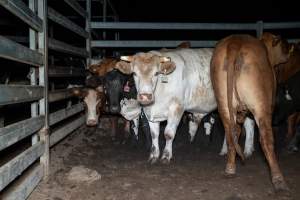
{"type": "Point", "coordinates": [169, 83]}
{"type": "Point", "coordinates": [242, 73]}
{"type": "Point", "coordinates": [94, 102]}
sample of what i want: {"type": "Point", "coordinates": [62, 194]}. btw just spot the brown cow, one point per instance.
{"type": "Point", "coordinates": [243, 79]}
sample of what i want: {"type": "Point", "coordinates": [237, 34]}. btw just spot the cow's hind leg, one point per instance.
{"type": "Point", "coordinates": [154, 154]}
{"type": "Point", "coordinates": [194, 124]}
{"type": "Point", "coordinates": [263, 121]}
{"type": "Point", "coordinates": [231, 154]}
{"type": "Point", "coordinates": [174, 117]}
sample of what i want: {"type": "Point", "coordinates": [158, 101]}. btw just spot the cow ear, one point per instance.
{"type": "Point", "coordinates": [124, 67]}
{"type": "Point", "coordinates": [100, 88]}
{"type": "Point", "coordinates": [167, 66]}
{"type": "Point", "coordinates": [276, 40]}
{"type": "Point", "coordinates": [79, 92]}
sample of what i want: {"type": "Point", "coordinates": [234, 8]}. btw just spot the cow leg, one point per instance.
{"type": "Point", "coordinates": [224, 148]}
{"type": "Point", "coordinates": [146, 130]}
{"type": "Point", "coordinates": [193, 125]}
{"type": "Point", "coordinates": [154, 154]}
{"type": "Point", "coordinates": [291, 126]}
{"type": "Point", "coordinates": [136, 127]}
{"type": "Point", "coordinates": [174, 117]}
{"type": "Point", "coordinates": [230, 165]}
{"type": "Point", "coordinates": [263, 120]}
{"type": "Point", "coordinates": [249, 143]}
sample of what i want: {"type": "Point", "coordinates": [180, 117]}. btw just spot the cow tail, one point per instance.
{"type": "Point", "coordinates": [232, 67]}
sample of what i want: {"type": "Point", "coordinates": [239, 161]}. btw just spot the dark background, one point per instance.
{"type": "Point", "coordinates": [207, 10]}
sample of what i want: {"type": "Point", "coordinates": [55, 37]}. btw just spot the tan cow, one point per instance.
{"type": "Point", "coordinates": [243, 79]}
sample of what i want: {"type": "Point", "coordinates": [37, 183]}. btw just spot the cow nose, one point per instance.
{"type": "Point", "coordinates": [91, 122]}
{"type": "Point", "coordinates": [115, 109]}
{"type": "Point", "coordinates": [145, 97]}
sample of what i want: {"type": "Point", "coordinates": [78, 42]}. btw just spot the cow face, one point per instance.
{"type": "Point", "coordinates": [114, 84]}
{"type": "Point", "coordinates": [93, 100]}
{"type": "Point", "coordinates": [145, 68]}
{"type": "Point", "coordinates": [278, 49]}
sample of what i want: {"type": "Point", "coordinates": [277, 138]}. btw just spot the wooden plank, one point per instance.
{"type": "Point", "coordinates": [65, 113]}
{"type": "Point", "coordinates": [23, 187]}
{"type": "Point", "coordinates": [17, 52]}
{"type": "Point", "coordinates": [76, 6]}
{"type": "Point", "coordinates": [62, 132]}
{"type": "Point", "coordinates": [66, 23]}
{"type": "Point", "coordinates": [11, 94]}
{"type": "Point", "coordinates": [66, 48]}
{"type": "Point", "coordinates": [13, 133]}
{"type": "Point", "coordinates": [59, 95]}
{"type": "Point", "coordinates": [22, 11]}
{"type": "Point", "coordinates": [16, 166]}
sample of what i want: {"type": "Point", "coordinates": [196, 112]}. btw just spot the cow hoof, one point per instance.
{"type": "Point", "coordinates": [280, 186]}
{"type": "Point", "coordinates": [152, 160]}
{"type": "Point", "coordinates": [165, 161]}
{"type": "Point", "coordinates": [230, 171]}
{"type": "Point", "coordinates": [248, 153]}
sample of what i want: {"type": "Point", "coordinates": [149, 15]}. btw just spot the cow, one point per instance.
{"type": "Point", "coordinates": [168, 84]}
{"type": "Point", "coordinates": [120, 88]}
{"type": "Point", "coordinates": [94, 102]}
{"type": "Point", "coordinates": [243, 78]}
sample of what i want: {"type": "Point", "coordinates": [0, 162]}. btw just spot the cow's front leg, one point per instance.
{"type": "Point", "coordinates": [154, 154]}
{"type": "Point", "coordinates": [174, 117]}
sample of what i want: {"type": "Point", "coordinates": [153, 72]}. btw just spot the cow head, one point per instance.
{"type": "Point", "coordinates": [93, 99]}
{"type": "Point", "coordinates": [145, 68]}
{"type": "Point", "coordinates": [114, 87]}
{"type": "Point", "coordinates": [104, 66]}
{"type": "Point", "coordinates": [278, 48]}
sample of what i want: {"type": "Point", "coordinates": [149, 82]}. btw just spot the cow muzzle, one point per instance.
{"type": "Point", "coordinates": [114, 109]}
{"type": "Point", "coordinates": [91, 122]}
{"type": "Point", "coordinates": [145, 99]}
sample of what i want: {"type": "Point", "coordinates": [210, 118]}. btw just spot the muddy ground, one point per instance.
{"type": "Point", "coordinates": [121, 172]}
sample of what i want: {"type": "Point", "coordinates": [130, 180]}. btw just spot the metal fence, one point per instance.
{"type": "Point", "coordinates": [259, 27]}
{"type": "Point", "coordinates": [21, 174]}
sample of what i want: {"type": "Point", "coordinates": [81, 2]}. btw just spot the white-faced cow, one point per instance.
{"type": "Point", "coordinates": [169, 83]}
{"type": "Point", "coordinates": [242, 72]}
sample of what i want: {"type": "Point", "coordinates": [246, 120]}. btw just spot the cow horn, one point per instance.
{"type": "Point", "coordinates": [127, 58]}
{"type": "Point", "coordinates": [165, 59]}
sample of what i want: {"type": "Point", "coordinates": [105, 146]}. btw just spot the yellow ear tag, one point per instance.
{"type": "Point", "coordinates": [164, 78]}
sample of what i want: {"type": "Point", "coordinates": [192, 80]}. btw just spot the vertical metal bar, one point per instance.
{"type": "Point", "coordinates": [259, 28]}
{"type": "Point", "coordinates": [43, 80]}
{"type": "Point", "coordinates": [33, 70]}
{"type": "Point", "coordinates": [88, 29]}
{"type": "Point", "coordinates": [104, 13]}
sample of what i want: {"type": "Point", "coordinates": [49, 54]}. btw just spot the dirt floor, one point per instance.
{"type": "Point", "coordinates": [88, 165]}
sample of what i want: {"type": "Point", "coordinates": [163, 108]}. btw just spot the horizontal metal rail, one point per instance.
{"type": "Point", "coordinates": [76, 6]}
{"type": "Point", "coordinates": [21, 10]}
{"type": "Point", "coordinates": [13, 133]}
{"type": "Point", "coordinates": [281, 25]}
{"type": "Point", "coordinates": [11, 94]}
{"type": "Point", "coordinates": [19, 39]}
{"type": "Point", "coordinates": [16, 166]}
{"type": "Point", "coordinates": [17, 52]}
{"type": "Point", "coordinates": [65, 22]}
{"type": "Point", "coordinates": [192, 26]}
{"type": "Point", "coordinates": [59, 71]}
{"type": "Point", "coordinates": [148, 43]}
{"type": "Point", "coordinates": [59, 95]}
{"type": "Point", "coordinates": [65, 113]}
{"type": "Point", "coordinates": [23, 187]}
{"type": "Point", "coordinates": [62, 132]}
{"type": "Point", "coordinates": [173, 26]}
{"type": "Point", "coordinates": [66, 48]}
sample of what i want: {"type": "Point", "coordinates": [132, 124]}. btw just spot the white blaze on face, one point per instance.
{"type": "Point", "coordinates": [91, 100]}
